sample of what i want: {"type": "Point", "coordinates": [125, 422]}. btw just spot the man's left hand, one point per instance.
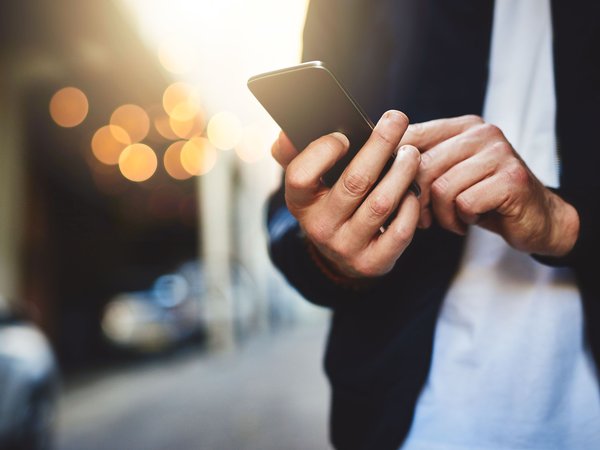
{"type": "Point", "coordinates": [470, 174]}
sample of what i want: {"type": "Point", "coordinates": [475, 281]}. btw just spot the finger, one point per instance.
{"type": "Point", "coordinates": [363, 171]}
{"type": "Point", "coordinates": [304, 172]}
{"type": "Point", "coordinates": [439, 159]}
{"type": "Point", "coordinates": [384, 199]}
{"type": "Point", "coordinates": [426, 135]}
{"type": "Point", "coordinates": [392, 243]}
{"type": "Point", "coordinates": [425, 219]}
{"type": "Point", "coordinates": [486, 196]}
{"type": "Point", "coordinates": [457, 179]}
{"type": "Point", "coordinates": [283, 150]}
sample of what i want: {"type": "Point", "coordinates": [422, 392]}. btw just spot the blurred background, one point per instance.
{"type": "Point", "coordinates": [138, 306]}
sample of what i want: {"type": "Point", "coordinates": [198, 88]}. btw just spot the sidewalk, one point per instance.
{"type": "Point", "coordinates": [269, 395]}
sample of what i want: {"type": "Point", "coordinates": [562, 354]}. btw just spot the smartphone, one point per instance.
{"type": "Point", "coordinates": [307, 101]}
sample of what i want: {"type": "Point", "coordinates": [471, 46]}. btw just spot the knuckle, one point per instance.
{"type": "Point", "coordinates": [517, 174]}
{"type": "Point", "coordinates": [356, 184]}
{"type": "Point", "coordinates": [364, 267]}
{"type": "Point", "coordinates": [417, 130]}
{"type": "Point", "coordinates": [490, 131]}
{"type": "Point", "coordinates": [502, 149]}
{"type": "Point", "coordinates": [403, 235]}
{"type": "Point", "coordinates": [341, 249]}
{"type": "Point", "coordinates": [296, 177]}
{"type": "Point", "coordinates": [427, 160]}
{"type": "Point", "coordinates": [318, 231]}
{"type": "Point", "coordinates": [464, 204]}
{"type": "Point", "coordinates": [380, 206]}
{"type": "Point", "coordinates": [439, 188]}
{"type": "Point", "coordinates": [473, 119]}
{"type": "Point", "coordinates": [386, 135]}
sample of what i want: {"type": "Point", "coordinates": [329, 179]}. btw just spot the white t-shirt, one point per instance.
{"type": "Point", "coordinates": [510, 368]}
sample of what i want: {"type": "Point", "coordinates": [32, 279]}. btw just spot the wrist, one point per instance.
{"type": "Point", "coordinates": [331, 271]}
{"type": "Point", "coordinates": [565, 227]}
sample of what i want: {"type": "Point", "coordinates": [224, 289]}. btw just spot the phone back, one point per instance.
{"type": "Point", "coordinates": [307, 102]}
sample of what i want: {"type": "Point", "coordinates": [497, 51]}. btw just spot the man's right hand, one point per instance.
{"type": "Point", "coordinates": [344, 221]}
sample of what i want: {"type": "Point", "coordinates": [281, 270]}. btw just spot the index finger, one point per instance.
{"type": "Point", "coordinates": [365, 168]}
{"type": "Point", "coordinates": [283, 150]}
{"type": "Point", "coordinates": [426, 135]}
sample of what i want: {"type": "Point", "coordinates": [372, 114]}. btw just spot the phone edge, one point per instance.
{"type": "Point", "coordinates": [315, 65]}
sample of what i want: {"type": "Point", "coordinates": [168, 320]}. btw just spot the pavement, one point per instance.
{"type": "Point", "coordinates": [270, 394]}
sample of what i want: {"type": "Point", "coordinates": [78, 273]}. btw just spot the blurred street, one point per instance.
{"type": "Point", "coordinates": [269, 394]}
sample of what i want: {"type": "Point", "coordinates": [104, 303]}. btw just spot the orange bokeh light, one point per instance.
{"type": "Point", "coordinates": [108, 142]}
{"type": "Point", "coordinates": [188, 128]}
{"type": "Point", "coordinates": [172, 161]}
{"type": "Point", "coordinates": [138, 162]}
{"type": "Point", "coordinates": [69, 107]}
{"type": "Point", "coordinates": [198, 156]}
{"type": "Point", "coordinates": [162, 125]}
{"type": "Point", "coordinates": [133, 119]}
{"type": "Point", "coordinates": [179, 101]}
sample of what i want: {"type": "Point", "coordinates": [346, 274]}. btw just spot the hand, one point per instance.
{"type": "Point", "coordinates": [344, 221]}
{"type": "Point", "coordinates": [470, 174]}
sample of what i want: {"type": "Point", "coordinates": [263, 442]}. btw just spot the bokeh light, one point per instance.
{"type": "Point", "coordinates": [161, 123]}
{"type": "Point", "coordinates": [138, 162]}
{"type": "Point", "coordinates": [255, 143]}
{"type": "Point", "coordinates": [69, 107]}
{"type": "Point", "coordinates": [108, 142]}
{"type": "Point", "coordinates": [180, 101]}
{"type": "Point", "coordinates": [224, 130]}
{"type": "Point", "coordinates": [133, 119]}
{"type": "Point", "coordinates": [172, 161]}
{"type": "Point", "coordinates": [187, 128]}
{"type": "Point", "coordinates": [198, 156]}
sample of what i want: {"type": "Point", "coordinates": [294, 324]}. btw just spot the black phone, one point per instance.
{"type": "Point", "coordinates": [307, 101]}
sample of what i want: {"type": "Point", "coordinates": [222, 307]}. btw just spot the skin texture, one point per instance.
{"type": "Point", "coordinates": [468, 172]}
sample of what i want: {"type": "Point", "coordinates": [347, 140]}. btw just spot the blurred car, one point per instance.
{"type": "Point", "coordinates": [174, 309]}
{"type": "Point", "coordinates": [159, 318]}
{"type": "Point", "coordinates": [28, 386]}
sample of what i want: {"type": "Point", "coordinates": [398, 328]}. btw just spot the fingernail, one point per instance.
{"type": "Point", "coordinates": [394, 116]}
{"type": "Point", "coordinates": [340, 137]}
{"type": "Point", "coordinates": [408, 149]}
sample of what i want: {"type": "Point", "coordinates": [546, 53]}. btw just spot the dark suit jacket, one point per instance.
{"type": "Point", "coordinates": [429, 58]}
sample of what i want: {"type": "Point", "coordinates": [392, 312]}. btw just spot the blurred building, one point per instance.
{"type": "Point", "coordinates": [74, 231]}
{"type": "Point", "coordinates": [109, 174]}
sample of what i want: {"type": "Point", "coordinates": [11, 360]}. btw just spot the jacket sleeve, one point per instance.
{"type": "Point", "coordinates": [289, 252]}
{"type": "Point", "coordinates": [576, 50]}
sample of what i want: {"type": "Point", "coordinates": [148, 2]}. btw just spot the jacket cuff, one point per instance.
{"type": "Point", "coordinates": [291, 252]}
